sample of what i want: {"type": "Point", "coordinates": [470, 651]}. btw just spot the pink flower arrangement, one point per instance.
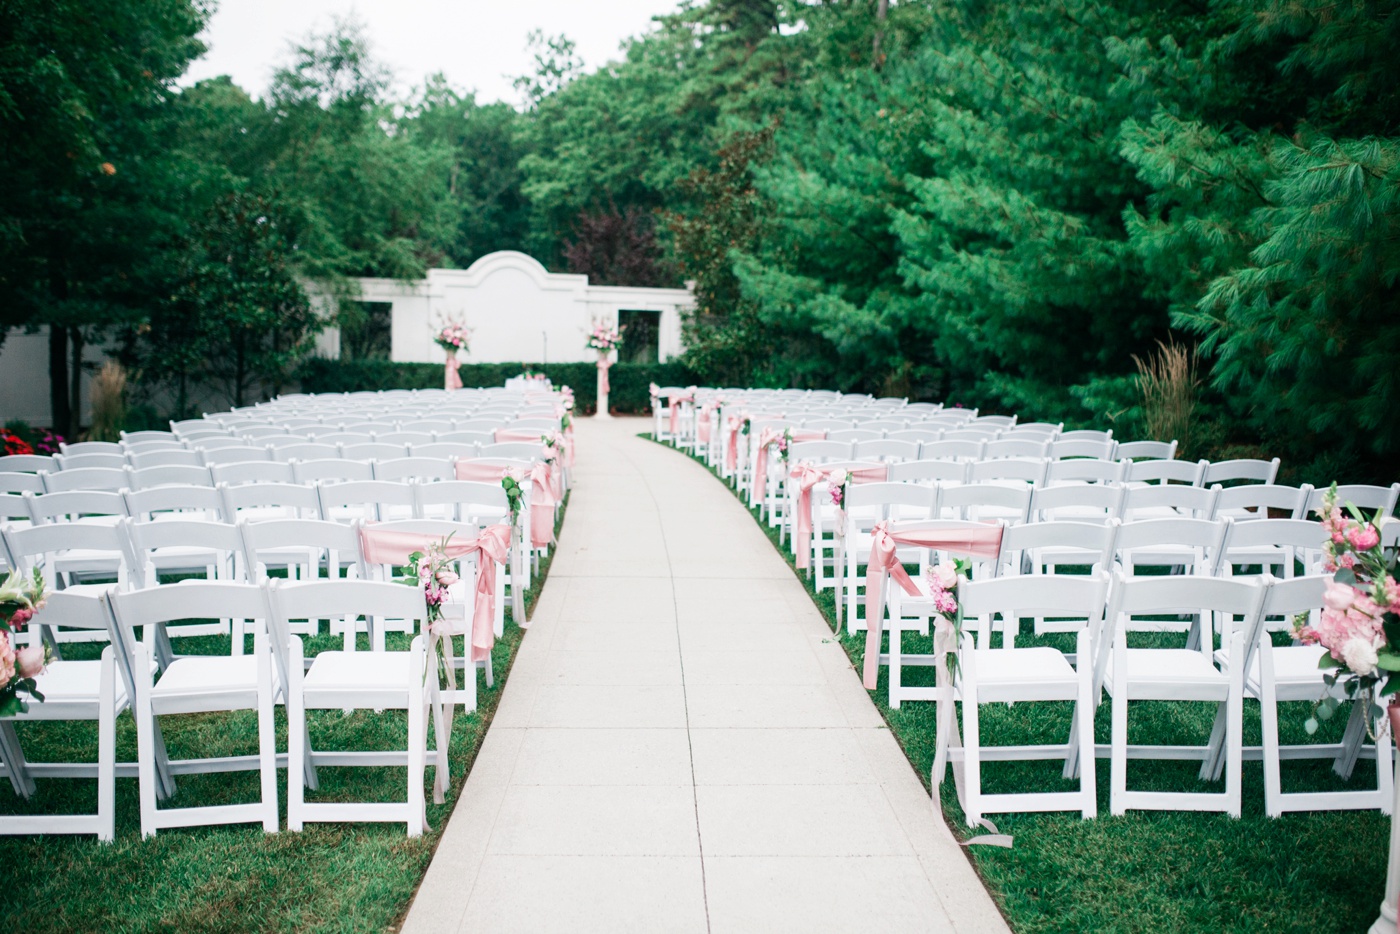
{"type": "Point", "coordinates": [942, 582]}
{"type": "Point", "coordinates": [432, 571]}
{"type": "Point", "coordinates": [604, 337]}
{"type": "Point", "coordinates": [453, 337]}
{"type": "Point", "coordinates": [20, 597]}
{"type": "Point", "coordinates": [1359, 624]}
{"type": "Point", "coordinates": [836, 480]}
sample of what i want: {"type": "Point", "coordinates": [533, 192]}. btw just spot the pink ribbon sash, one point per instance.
{"type": "Point", "coordinates": [542, 503]}
{"type": "Point", "coordinates": [380, 546]}
{"type": "Point", "coordinates": [527, 435]}
{"type": "Point", "coordinates": [603, 364]}
{"type": "Point", "coordinates": [479, 472]}
{"type": "Point", "coordinates": [675, 403]}
{"type": "Point", "coordinates": [806, 476]}
{"type": "Point", "coordinates": [976, 541]}
{"type": "Point", "coordinates": [766, 437]}
{"type": "Point", "coordinates": [451, 378]}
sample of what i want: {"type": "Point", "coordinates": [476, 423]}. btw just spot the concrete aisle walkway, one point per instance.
{"type": "Point", "coordinates": [680, 748]}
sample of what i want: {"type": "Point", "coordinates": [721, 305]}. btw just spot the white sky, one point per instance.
{"type": "Point", "coordinates": [478, 44]}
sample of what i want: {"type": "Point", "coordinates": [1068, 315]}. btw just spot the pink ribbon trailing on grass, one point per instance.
{"type": "Point", "coordinates": [451, 378]}
{"type": "Point", "coordinates": [382, 546]}
{"type": "Point", "coordinates": [981, 541]}
{"type": "Point", "coordinates": [805, 477]}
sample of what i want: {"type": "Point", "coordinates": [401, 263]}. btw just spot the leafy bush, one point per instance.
{"type": "Point", "coordinates": [628, 381]}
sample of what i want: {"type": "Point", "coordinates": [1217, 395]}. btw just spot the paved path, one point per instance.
{"type": "Point", "coordinates": [680, 748]}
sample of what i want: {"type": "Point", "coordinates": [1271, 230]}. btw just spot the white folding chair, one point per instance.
{"type": "Point", "coordinates": [308, 472]}
{"type": "Point", "coordinates": [960, 450]}
{"type": "Point", "coordinates": [1085, 470]}
{"type": "Point", "coordinates": [1146, 450]}
{"type": "Point", "coordinates": [72, 690]}
{"type": "Point", "coordinates": [304, 550]}
{"type": "Point", "coordinates": [373, 451]}
{"type": "Point", "coordinates": [255, 502]}
{"type": "Point", "coordinates": [1292, 673]}
{"type": "Point", "coordinates": [415, 468]}
{"type": "Point", "coordinates": [233, 454]}
{"type": "Point", "coordinates": [1077, 502]}
{"type": "Point", "coordinates": [165, 457]}
{"type": "Point", "coordinates": [374, 680]}
{"type": "Point", "coordinates": [1247, 470]}
{"type": "Point", "coordinates": [1260, 500]}
{"type": "Point", "coordinates": [201, 685]}
{"type": "Point", "coordinates": [929, 472]}
{"type": "Point", "coordinates": [367, 500]}
{"type": "Point", "coordinates": [1175, 674]}
{"type": "Point", "coordinates": [1012, 674]}
{"type": "Point", "coordinates": [82, 461]}
{"type": "Point", "coordinates": [244, 472]}
{"type": "Point", "coordinates": [84, 479]}
{"type": "Point", "coordinates": [21, 483]}
{"type": "Point", "coordinates": [145, 478]}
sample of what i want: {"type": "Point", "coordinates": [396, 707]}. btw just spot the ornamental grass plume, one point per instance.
{"type": "Point", "coordinates": [1168, 384]}
{"type": "Point", "coordinates": [108, 402]}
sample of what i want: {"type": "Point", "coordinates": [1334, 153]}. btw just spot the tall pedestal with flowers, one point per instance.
{"type": "Point", "coordinates": [1360, 628]}
{"type": "Point", "coordinates": [452, 338]}
{"type": "Point", "coordinates": [604, 339]}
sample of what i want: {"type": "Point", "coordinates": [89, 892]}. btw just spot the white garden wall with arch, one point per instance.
{"type": "Point", "coordinates": [517, 310]}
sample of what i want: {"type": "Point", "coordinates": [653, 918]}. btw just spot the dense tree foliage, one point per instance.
{"type": "Point", "coordinates": [980, 201]}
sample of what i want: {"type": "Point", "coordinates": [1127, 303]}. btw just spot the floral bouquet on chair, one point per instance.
{"type": "Point", "coordinates": [1360, 624]}
{"type": "Point", "coordinates": [19, 597]}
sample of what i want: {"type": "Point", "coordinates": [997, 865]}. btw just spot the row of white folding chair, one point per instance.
{"type": "Point", "coordinates": [192, 542]}
{"type": "Point", "coordinates": [437, 462]}
{"type": "Point", "coordinates": [1198, 545]}
{"type": "Point", "coordinates": [1012, 674]}
{"type": "Point", "coordinates": [199, 685]}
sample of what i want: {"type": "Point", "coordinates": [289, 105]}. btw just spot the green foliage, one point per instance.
{"type": "Point", "coordinates": [627, 391]}
{"type": "Point", "coordinates": [238, 320]}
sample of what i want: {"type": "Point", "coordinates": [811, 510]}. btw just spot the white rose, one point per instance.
{"type": "Point", "coordinates": [947, 575]}
{"type": "Point", "coordinates": [838, 477]}
{"type": "Point", "coordinates": [1359, 654]}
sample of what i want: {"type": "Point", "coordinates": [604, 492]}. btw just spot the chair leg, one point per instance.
{"type": "Point", "coordinates": [1118, 755]}
{"type": "Point", "coordinates": [1084, 725]}
{"type": "Point", "coordinates": [1385, 772]}
{"type": "Point", "coordinates": [1352, 738]}
{"type": "Point", "coordinates": [267, 734]}
{"type": "Point", "coordinates": [417, 734]}
{"type": "Point", "coordinates": [107, 749]}
{"type": "Point", "coordinates": [972, 762]}
{"type": "Point", "coordinates": [1268, 717]}
{"type": "Point", "coordinates": [1214, 761]}
{"type": "Point", "coordinates": [298, 758]}
{"type": "Point", "coordinates": [145, 743]}
{"type": "Point", "coordinates": [896, 657]}
{"type": "Point", "coordinates": [1234, 731]}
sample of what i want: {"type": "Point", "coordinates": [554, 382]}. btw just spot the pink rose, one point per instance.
{"type": "Point", "coordinates": [446, 578]}
{"type": "Point", "coordinates": [1392, 595]}
{"type": "Point", "coordinates": [1347, 561]}
{"type": "Point", "coordinates": [1339, 596]}
{"type": "Point", "coordinates": [21, 617]}
{"type": "Point", "coordinates": [946, 575]}
{"type": "Point", "coordinates": [7, 659]}
{"type": "Point", "coordinates": [30, 661]}
{"type": "Point", "coordinates": [1363, 537]}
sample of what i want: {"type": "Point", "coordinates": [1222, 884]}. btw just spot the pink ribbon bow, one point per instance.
{"type": "Point", "coordinates": [731, 455]}
{"type": "Point", "coordinates": [380, 546]}
{"type": "Point", "coordinates": [980, 541]}
{"type": "Point", "coordinates": [806, 476]}
{"type": "Point", "coordinates": [451, 378]}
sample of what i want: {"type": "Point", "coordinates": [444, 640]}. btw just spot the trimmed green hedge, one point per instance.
{"type": "Point", "coordinates": [628, 393]}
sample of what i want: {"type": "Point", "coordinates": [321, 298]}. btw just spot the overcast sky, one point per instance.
{"type": "Point", "coordinates": [479, 45]}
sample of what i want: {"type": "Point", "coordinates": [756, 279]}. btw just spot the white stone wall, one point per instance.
{"type": "Point", "coordinates": [517, 310]}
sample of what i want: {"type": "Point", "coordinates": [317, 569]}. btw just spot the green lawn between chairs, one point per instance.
{"type": "Point", "coordinates": [1153, 871]}
{"type": "Point", "coordinates": [329, 877]}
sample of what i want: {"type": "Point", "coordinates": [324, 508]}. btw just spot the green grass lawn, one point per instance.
{"type": "Point", "coordinates": [329, 877]}
{"type": "Point", "coordinates": [1153, 871]}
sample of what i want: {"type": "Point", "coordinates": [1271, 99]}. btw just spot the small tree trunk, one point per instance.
{"type": "Point", "coordinates": [882, 12]}
{"type": "Point", "coordinates": [75, 375]}
{"type": "Point", "coordinates": [61, 413]}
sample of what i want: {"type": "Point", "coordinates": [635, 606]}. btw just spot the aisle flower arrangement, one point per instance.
{"type": "Point", "coordinates": [14, 444]}
{"type": "Point", "coordinates": [604, 338]}
{"type": "Point", "coordinates": [1360, 624]}
{"type": "Point", "coordinates": [453, 337]}
{"type": "Point", "coordinates": [942, 582]}
{"type": "Point", "coordinates": [20, 597]}
{"type": "Point", "coordinates": [515, 494]}
{"type": "Point", "coordinates": [432, 571]}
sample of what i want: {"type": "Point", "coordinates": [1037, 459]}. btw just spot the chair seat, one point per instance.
{"type": "Point", "coordinates": [1031, 672]}
{"type": "Point", "coordinates": [341, 671]}
{"type": "Point", "coordinates": [65, 682]}
{"type": "Point", "coordinates": [1295, 667]}
{"type": "Point", "coordinates": [208, 675]}
{"type": "Point", "coordinates": [1169, 674]}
